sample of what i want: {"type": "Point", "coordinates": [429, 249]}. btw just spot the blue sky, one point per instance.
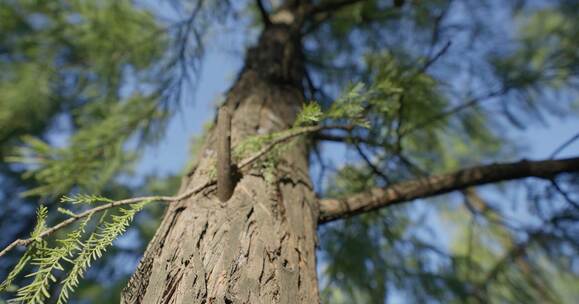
{"type": "Point", "coordinates": [220, 68]}
{"type": "Point", "coordinates": [222, 62]}
{"type": "Point", "coordinates": [172, 153]}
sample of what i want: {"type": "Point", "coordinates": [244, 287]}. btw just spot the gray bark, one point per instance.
{"type": "Point", "coordinates": [258, 246]}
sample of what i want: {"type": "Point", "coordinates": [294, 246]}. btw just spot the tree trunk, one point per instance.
{"type": "Point", "coordinates": [259, 246]}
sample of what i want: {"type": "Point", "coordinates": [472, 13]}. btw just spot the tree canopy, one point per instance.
{"type": "Point", "coordinates": [419, 90]}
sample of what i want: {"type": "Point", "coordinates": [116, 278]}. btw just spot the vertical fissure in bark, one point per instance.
{"type": "Point", "coordinates": [259, 246]}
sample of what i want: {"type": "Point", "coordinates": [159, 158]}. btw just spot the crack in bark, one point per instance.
{"type": "Point", "coordinates": [202, 235]}
{"type": "Point", "coordinates": [176, 214]}
{"type": "Point", "coordinates": [171, 284]}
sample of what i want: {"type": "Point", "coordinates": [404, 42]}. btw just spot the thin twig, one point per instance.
{"type": "Point", "coordinates": [263, 12]}
{"type": "Point", "coordinates": [435, 58]}
{"type": "Point", "coordinates": [286, 137]}
{"type": "Point", "coordinates": [370, 164]}
{"type": "Point", "coordinates": [565, 194]}
{"type": "Point", "coordinates": [564, 145]}
{"type": "Point", "coordinates": [454, 110]}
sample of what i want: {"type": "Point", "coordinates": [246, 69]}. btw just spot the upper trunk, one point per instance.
{"type": "Point", "coordinates": [259, 246]}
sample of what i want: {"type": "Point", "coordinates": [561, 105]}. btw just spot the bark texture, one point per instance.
{"type": "Point", "coordinates": [258, 246]}
{"type": "Point", "coordinates": [376, 198]}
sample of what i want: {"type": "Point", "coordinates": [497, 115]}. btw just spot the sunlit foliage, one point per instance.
{"type": "Point", "coordinates": [428, 87]}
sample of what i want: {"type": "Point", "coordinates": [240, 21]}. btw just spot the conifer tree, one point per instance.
{"type": "Point", "coordinates": [423, 96]}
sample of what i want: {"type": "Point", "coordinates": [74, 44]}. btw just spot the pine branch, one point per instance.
{"type": "Point", "coordinates": [566, 144]}
{"type": "Point", "coordinates": [41, 215]}
{"type": "Point", "coordinates": [284, 138]}
{"type": "Point", "coordinates": [90, 212]}
{"type": "Point", "coordinates": [49, 260]}
{"type": "Point", "coordinates": [22, 262]}
{"type": "Point", "coordinates": [95, 246]}
{"type": "Point", "coordinates": [376, 198]}
{"type": "Point", "coordinates": [170, 199]}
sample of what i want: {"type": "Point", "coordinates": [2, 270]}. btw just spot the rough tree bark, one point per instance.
{"type": "Point", "coordinates": [259, 246]}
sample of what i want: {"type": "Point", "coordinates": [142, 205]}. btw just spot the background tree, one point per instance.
{"type": "Point", "coordinates": [420, 94]}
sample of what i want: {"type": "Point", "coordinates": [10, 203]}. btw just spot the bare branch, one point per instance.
{"type": "Point", "coordinates": [435, 58]}
{"type": "Point", "coordinates": [376, 198]}
{"type": "Point", "coordinates": [565, 195]}
{"type": "Point", "coordinates": [347, 139]}
{"type": "Point", "coordinates": [373, 167]}
{"type": "Point", "coordinates": [332, 6]}
{"type": "Point", "coordinates": [263, 12]}
{"type": "Point", "coordinates": [564, 145]}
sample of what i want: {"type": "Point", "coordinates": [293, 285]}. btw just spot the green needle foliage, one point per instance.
{"type": "Point", "coordinates": [85, 199]}
{"type": "Point", "coordinates": [346, 111]}
{"type": "Point", "coordinates": [428, 87]}
{"type": "Point", "coordinates": [41, 215]}
{"type": "Point", "coordinates": [72, 255]}
{"type": "Point", "coordinates": [95, 154]}
{"type": "Point", "coordinates": [94, 247]}
{"type": "Point", "coordinates": [47, 261]}
{"type": "Point", "coordinates": [81, 253]}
